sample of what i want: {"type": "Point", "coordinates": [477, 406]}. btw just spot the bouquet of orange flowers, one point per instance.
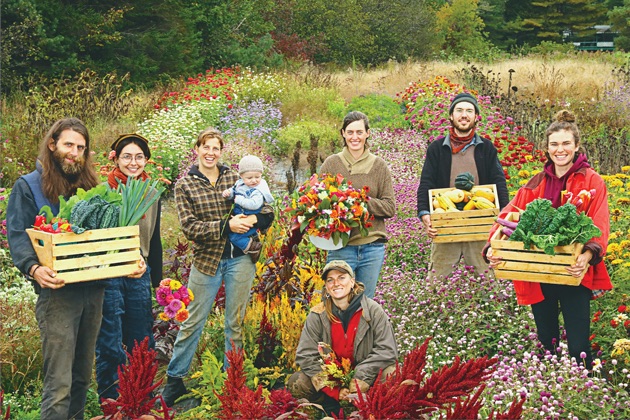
{"type": "Point", "coordinates": [330, 206]}
{"type": "Point", "coordinates": [335, 372]}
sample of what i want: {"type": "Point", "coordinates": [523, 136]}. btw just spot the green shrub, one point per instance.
{"type": "Point", "coordinates": [382, 111]}
{"type": "Point", "coordinates": [301, 131]}
{"type": "Point", "coordinates": [547, 48]}
{"type": "Point", "coordinates": [304, 101]}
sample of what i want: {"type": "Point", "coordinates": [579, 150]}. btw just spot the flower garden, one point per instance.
{"type": "Point", "coordinates": [477, 331]}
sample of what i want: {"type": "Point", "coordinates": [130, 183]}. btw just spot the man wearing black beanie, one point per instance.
{"type": "Point", "coordinates": [461, 150]}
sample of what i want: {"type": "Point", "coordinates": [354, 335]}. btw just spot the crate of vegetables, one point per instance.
{"type": "Point", "coordinates": [532, 264]}
{"type": "Point", "coordinates": [95, 234]}
{"type": "Point", "coordinates": [461, 215]}
{"type": "Point", "coordinates": [92, 255]}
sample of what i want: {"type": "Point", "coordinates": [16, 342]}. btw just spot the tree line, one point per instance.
{"type": "Point", "coordinates": [155, 40]}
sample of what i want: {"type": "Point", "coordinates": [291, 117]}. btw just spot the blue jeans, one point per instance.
{"type": "Point", "coordinates": [127, 318]}
{"type": "Point", "coordinates": [241, 240]}
{"type": "Point", "coordinates": [366, 261]}
{"type": "Point", "coordinates": [238, 276]}
{"type": "Point", "coordinates": [69, 319]}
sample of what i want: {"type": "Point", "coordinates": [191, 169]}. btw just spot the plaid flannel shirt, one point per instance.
{"type": "Point", "coordinates": [203, 215]}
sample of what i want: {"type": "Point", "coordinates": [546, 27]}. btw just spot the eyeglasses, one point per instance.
{"type": "Point", "coordinates": [464, 111]}
{"type": "Point", "coordinates": [127, 158]}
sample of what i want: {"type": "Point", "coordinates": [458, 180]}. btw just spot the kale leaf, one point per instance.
{"type": "Point", "coordinates": [545, 227]}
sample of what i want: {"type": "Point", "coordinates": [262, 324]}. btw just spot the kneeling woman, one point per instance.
{"type": "Point", "coordinates": [355, 327]}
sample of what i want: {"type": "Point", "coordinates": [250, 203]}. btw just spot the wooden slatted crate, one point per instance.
{"type": "Point", "coordinates": [92, 255]}
{"type": "Point", "coordinates": [463, 226]}
{"type": "Point", "coordinates": [533, 264]}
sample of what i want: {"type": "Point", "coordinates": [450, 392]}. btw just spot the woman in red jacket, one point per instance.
{"type": "Point", "coordinates": [567, 169]}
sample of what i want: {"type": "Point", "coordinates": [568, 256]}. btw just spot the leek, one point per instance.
{"type": "Point", "coordinates": [137, 197]}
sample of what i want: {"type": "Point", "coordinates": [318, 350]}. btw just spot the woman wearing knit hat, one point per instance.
{"type": "Point", "coordinates": [358, 165]}
{"type": "Point", "coordinates": [250, 194]}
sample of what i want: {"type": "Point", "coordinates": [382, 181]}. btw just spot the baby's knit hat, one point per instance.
{"type": "Point", "coordinates": [464, 97]}
{"type": "Point", "coordinates": [250, 163]}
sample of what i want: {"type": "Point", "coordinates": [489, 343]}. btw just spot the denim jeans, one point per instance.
{"type": "Point", "coordinates": [238, 276]}
{"type": "Point", "coordinates": [241, 240]}
{"type": "Point", "coordinates": [366, 261]}
{"type": "Point", "coordinates": [127, 318]}
{"type": "Point", "coordinates": [69, 319]}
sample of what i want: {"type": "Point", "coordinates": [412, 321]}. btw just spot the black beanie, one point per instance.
{"type": "Point", "coordinates": [463, 97]}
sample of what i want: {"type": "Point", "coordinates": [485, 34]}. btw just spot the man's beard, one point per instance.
{"type": "Point", "coordinates": [70, 169]}
{"type": "Point", "coordinates": [458, 127]}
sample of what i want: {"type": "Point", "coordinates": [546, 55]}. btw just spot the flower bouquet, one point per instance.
{"type": "Point", "coordinates": [336, 372]}
{"type": "Point", "coordinates": [329, 207]}
{"type": "Point", "coordinates": [174, 297]}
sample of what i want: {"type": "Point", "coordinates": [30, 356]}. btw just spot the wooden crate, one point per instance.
{"type": "Point", "coordinates": [533, 264]}
{"type": "Point", "coordinates": [88, 256]}
{"type": "Point", "coordinates": [463, 226]}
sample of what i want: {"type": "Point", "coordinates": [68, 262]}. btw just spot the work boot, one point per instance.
{"type": "Point", "coordinates": [174, 389]}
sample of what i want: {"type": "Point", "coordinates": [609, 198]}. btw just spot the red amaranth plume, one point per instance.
{"type": "Point", "coordinates": [238, 401]}
{"type": "Point", "coordinates": [135, 386]}
{"type": "Point", "coordinates": [515, 411]}
{"type": "Point", "coordinates": [406, 393]}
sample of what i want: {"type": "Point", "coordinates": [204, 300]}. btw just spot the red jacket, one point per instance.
{"type": "Point", "coordinates": [596, 276]}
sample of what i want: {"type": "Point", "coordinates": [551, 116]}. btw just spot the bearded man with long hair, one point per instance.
{"type": "Point", "coordinates": [69, 316]}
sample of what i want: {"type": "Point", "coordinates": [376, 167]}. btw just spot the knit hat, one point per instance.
{"type": "Point", "coordinates": [464, 97]}
{"type": "Point", "coordinates": [250, 163]}
{"type": "Point", "coordinates": [338, 265]}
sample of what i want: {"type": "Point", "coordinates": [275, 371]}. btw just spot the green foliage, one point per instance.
{"type": "Point", "coordinates": [549, 47]}
{"type": "Point", "coordinates": [87, 96]}
{"type": "Point", "coordinates": [382, 111]}
{"type": "Point", "coordinates": [210, 378]}
{"type": "Point", "coordinates": [300, 101]}
{"type": "Point", "coordinates": [26, 405]}
{"type": "Point", "coordinates": [22, 32]}
{"type": "Point", "coordinates": [301, 131]}
{"type": "Point", "coordinates": [234, 32]}
{"type": "Point", "coordinates": [535, 21]}
{"type": "Point", "coordinates": [620, 19]}
{"type": "Point", "coordinates": [460, 29]}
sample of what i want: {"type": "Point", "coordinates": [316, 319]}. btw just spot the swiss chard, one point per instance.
{"type": "Point", "coordinates": [545, 227]}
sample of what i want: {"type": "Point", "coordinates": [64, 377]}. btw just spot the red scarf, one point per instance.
{"type": "Point", "coordinates": [117, 174]}
{"type": "Point", "coordinates": [457, 142]}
